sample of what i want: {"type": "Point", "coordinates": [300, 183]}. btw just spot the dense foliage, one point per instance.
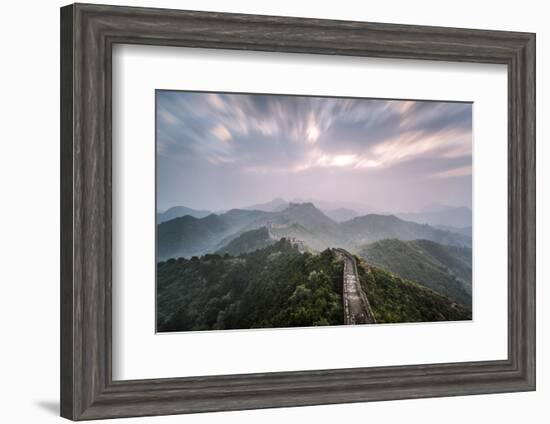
{"type": "Point", "coordinates": [445, 269]}
{"type": "Point", "coordinates": [273, 287]}
{"type": "Point", "coordinates": [278, 286]}
{"type": "Point", "coordinates": [393, 299]}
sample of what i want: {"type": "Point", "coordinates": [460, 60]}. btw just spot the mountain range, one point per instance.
{"type": "Point", "coordinates": [370, 228]}
{"type": "Point", "coordinates": [188, 236]}
{"type": "Point", "coordinates": [449, 218]}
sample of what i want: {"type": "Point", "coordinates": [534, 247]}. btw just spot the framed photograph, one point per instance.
{"type": "Point", "coordinates": [264, 211]}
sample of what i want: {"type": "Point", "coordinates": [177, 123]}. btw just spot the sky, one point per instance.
{"type": "Point", "coordinates": [219, 151]}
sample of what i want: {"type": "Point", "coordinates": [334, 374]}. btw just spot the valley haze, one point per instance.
{"type": "Point", "coordinates": [187, 232]}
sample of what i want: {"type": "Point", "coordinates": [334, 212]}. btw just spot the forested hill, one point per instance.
{"type": "Point", "coordinates": [394, 299]}
{"type": "Point", "coordinates": [189, 236]}
{"type": "Point", "coordinates": [278, 286]}
{"type": "Point", "coordinates": [273, 287]}
{"type": "Point", "coordinates": [445, 269]}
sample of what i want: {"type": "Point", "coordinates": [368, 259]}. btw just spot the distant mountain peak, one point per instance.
{"type": "Point", "coordinates": [304, 208]}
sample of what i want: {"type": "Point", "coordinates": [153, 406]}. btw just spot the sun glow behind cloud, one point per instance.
{"type": "Point", "coordinates": [313, 134]}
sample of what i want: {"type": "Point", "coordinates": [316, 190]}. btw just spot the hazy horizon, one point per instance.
{"type": "Point", "coordinates": [319, 203]}
{"type": "Point", "coordinates": [219, 151]}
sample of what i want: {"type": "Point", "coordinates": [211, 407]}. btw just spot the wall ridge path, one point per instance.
{"type": "Point", "coordinates": [357, 308]}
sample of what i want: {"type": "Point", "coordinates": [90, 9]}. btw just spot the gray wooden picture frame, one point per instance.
{"type": "Point", "coordinates": [88, 33]}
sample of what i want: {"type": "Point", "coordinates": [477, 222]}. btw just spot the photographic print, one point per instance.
{"type": "Point", "coordinates": [277, 211]}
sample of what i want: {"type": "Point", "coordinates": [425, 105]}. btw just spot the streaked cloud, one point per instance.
{"type": "Point", "coordinates": [461, 171]}
{"type": "Point", "coordinates": [295, 135]}
{"type": "Point", "coordinates": [222, 133]}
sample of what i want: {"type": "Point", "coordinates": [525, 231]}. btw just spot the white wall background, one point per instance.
{"type": "Point", "coordinates": [29, 224]}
